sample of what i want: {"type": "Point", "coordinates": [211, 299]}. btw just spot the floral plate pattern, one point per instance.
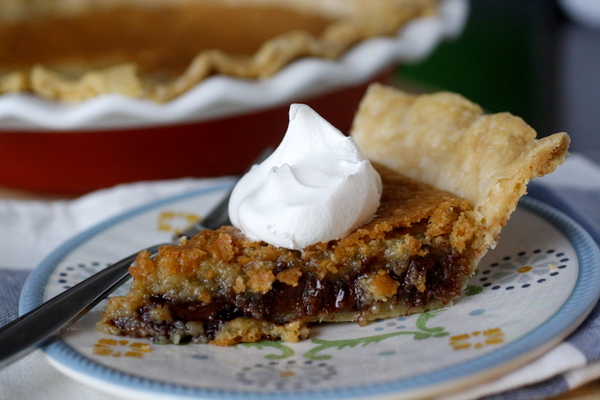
{"type": "Point", "coordinates": [528, 294]}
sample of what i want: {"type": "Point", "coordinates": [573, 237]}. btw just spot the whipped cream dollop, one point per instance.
{"type": "Point", "coordinates": [316, 186]}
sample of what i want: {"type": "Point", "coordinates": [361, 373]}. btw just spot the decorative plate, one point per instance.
{"type": "Point", "coordinates": [528, 294]}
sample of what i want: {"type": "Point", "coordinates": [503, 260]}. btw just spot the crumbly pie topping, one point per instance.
{"type": "Point", "coordinates": [71, 50]}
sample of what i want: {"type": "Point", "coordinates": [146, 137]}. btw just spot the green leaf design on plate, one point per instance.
{"type": "Point", "coordinates": [285, 350]}
{"type": "Point", "coordinates": [321, 345]}
{"type": "Point", "coordinates": [423, 333]}
{"type": "Point", "coordinates": [472, 290]}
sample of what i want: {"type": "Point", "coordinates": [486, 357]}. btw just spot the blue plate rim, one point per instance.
{"type": "Point", "coordinates": [582, 299]}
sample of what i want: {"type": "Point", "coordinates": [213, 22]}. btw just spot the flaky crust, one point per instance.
{"type": "Point", "coordinates": [353, 21]}
{"type": "Point", "coordinates": [447, 141]}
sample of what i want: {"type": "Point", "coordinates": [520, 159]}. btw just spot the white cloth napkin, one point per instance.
{"type": "Point", "coordinates": [30, 230]}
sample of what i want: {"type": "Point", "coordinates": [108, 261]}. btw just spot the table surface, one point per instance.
{"type": "Point", "coordinates": [591, 391]}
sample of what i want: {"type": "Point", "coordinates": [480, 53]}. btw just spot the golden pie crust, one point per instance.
{"type": "Point", "coordinates": [71, 50]}
{"type": "Point", "coordinates": [445, 140]}
{"type": "Point", "coordinates": [451, 177]}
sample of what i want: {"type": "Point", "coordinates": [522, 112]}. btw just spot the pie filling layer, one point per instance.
{"type": "Point", "coordinates": [222, 288]}
{"type": "Point", "coordinates": [312, 299]}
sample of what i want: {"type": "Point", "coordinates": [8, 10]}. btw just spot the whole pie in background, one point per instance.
{"type": "Point", "coordinates": [71, 50]}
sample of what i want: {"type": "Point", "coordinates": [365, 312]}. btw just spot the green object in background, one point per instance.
{"type": "Point", "coordinates": [504, 60]}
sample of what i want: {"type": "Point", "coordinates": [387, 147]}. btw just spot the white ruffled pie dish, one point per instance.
{"type": "Point", "coordinates": [220, 96]}
{"type": "Point", "coordinates": [208, 116]}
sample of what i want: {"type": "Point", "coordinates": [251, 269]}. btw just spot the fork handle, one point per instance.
{"type": "Point", "coordinates": [42, 324]}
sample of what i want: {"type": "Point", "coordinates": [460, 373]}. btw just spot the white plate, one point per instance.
{"type": "Point", "coordinates": [221, 96]}
{"type": "Point", "coordinates": [529, 293]}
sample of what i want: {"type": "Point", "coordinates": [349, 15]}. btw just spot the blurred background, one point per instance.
{"type": "Point", "coordinates": [528, 57]}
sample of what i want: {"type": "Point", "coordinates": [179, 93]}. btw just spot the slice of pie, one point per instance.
{"type": "Point", "coordinates": [71, 50]}
{"type": "Point", "coordinates": [451, 178]}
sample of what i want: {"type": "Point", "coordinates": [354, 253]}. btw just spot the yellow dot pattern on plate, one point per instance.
{"type": "Point", "coordinates": [176, 221]}
{"type": "Point", "coordinates": [477, 339]}
{"type": "Point", "coordinates": [524, 269]}
{"type": "Point", "coordinates": [120, 348]}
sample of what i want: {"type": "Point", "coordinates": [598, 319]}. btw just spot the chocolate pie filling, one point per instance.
{"type": "Point", "coordinates": [311, 299]}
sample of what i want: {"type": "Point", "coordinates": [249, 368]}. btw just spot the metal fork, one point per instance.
{"type": "Point", "coordinates": [44, 323]}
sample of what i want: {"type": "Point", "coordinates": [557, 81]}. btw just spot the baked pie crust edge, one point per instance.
{"type": "Point", "coordinates": [354, 21]}
{"type": "Point", "coordinates": [447, 141]}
